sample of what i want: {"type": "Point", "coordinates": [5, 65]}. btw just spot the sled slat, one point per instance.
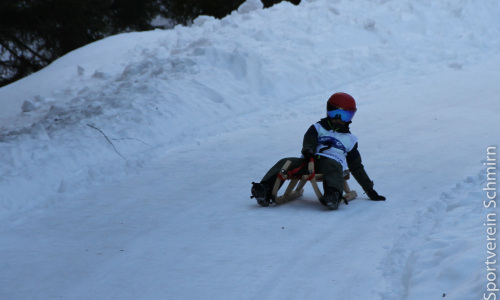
{"type": "Point", "coordinates": [295, 188]}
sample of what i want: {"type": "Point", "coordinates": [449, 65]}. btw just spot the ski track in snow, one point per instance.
{"type": "Point", "coordinates": [127, 174]}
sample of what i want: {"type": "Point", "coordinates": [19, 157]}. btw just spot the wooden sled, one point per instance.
{"type": "Point", "coordinates": [295, 188]}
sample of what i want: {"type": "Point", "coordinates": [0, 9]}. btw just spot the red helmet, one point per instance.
{"type": "Point", "coordinates": [341, 100]}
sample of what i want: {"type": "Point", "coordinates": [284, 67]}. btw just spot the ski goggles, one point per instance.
{"type": "Point", "coordinates": [339, 113]}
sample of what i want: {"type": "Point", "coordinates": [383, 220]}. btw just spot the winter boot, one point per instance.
{"type": "Point", "coordinates": [331, 199]}
{"type": "Point", "coordinates": [261, 193]}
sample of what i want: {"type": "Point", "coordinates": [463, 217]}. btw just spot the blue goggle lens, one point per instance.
{"type": "Point", "coordinates": [344, 115]}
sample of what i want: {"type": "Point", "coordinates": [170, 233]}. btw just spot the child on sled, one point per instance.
{"type": "Point", "coordinates": [334, 150]}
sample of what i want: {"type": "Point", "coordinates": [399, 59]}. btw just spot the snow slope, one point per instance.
{"type": "Point", "coordinates": [126, 164]}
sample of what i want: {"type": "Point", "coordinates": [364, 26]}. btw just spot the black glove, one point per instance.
{"type": "Point", "coordinates": [375, 196]}
{"type": "Point", "coordinates": [308, 153]}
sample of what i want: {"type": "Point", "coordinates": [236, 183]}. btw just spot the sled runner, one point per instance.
{"type": "Point", "coordinates": [295, 188]}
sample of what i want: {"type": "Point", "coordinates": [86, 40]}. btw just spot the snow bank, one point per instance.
{"type": "Point", "coordinates": [434, 250]}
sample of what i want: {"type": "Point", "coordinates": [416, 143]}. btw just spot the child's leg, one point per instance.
{"type": "Point", "coordinates": [270, 178]}
{"type": "Point", "coordinates": [332, 174]}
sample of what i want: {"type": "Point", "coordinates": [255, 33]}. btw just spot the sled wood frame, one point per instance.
{"type": "Point", "coordinates": [295, 188]}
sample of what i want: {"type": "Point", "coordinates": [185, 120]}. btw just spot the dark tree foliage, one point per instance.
{"type": "Point", "coordinates": [185, 11]}
{"type": "Point", "coordinates": [33, 33]}
{"type": "Point", "coordinates": [269, 3]}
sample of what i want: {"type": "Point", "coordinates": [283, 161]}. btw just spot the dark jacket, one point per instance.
{"type": "Point", "coordinates": [353, 157]}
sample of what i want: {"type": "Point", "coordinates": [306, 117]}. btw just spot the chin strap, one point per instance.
{"type": "Point", "coordinates": [342, 128]}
